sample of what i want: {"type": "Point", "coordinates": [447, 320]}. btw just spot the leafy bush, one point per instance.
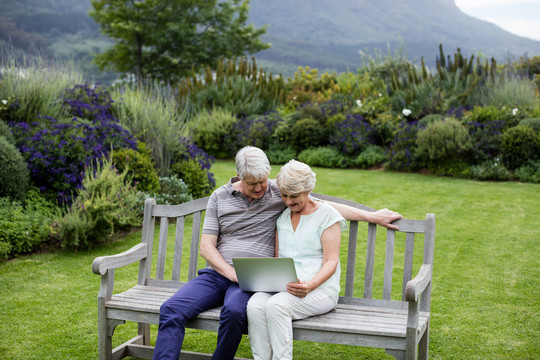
{"type": "Point", "coordinates": [280, 154]}
{"type": "Point", "coordinates": [256, 130]}
{"type": "Point", "coordinates": [14, 175]}
{"type": "Point", "coordinates": [486, 138]}
{"type": "Point", "coordinates": [531, 122]}
{"type": "Point", "coordinates": [88, 102]}
{"type": "Point", "coordinates": [58, 153]}
{"type": "Point", "coordinates": [187, 151]}
{"type": "Point", "coordinates": [106, 204]}
{"type": "Point", "coordinates": [191, 172]}
{"type": "Point", "coordinates": [492, 113]}
{"type": "Point", "coordinates": [443, 141]}
{"type": "Point", "coordinates": [352, 135]}
{"type": "Point", "coordinates": [324, 157]}
{"type": "Point", "coordinates": [307, 133]}
{"type": "Point", "coordinates": [373, 155]}
{"type": "Point", "coordinates": [490, 170]}
{"type": "Point", "coordinates": [5, 131]}
{"type": "Point", "coordinates": [509, 91]}
{"type": "Point", "coordinates": [403, 150]}
{"type": "Point", "coordinates": [519, 145]}
{"type": "Point", "coordinates": [24, 229]}
{"type": "Point", "coordinates": [530, 172]}
{"type": "Point", "coordinates": [139, 165]}
{"type": "Point", "coordinates": [209, 128]}
{"type": "Point", "coordinates": [172, 191]}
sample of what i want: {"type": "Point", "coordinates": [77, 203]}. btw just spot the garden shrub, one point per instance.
{"type": "Point", "coordinates": [531, 122]}
{"type": "Point", "coordinates": [88, 102]}
{"type": "Point", "coordinates": [383, 128]}
{"type": "Point", "coordinates": [14, 175]}
{"type": "Point", "coordinates": [187, 151]}
{"type": "Point", "coordinates": [209, 128]}
{"type": "Point", "coordinates": [373, 155]}
{"type": "Point", "coordinates": [139, 165]}
{"type": "Point", "coordinates": [307, 133]}
{"type": "Point", "coordinates": [279, 153]}
{"type": "Point", "coordinates": [430, 118]}
{"type": "Point", "coordinates": [492, 113]}
{"type": "Point", "coordinates": [5, 131]}
{"type": "Point", "coordinates": [351, 135]}
{"type": "Point", "coordinates": [106, 203]}
{"type": "Point", "coordinates": [58, 152]}
{"type": "Point", "coordinates": [490, 170]}
{"type": "Point", "coordinates": [24, 228]}
{"type": "Point", "coordinates": [530, 172]}
{"type": "Point", "coordinates": [519, 145]}
{"type": "Point", "coordinates": [443, 142]}
{"type": "Point", "coordinates": [486, 138]}
{"type": "Point", "coordinates": [191, 172]}
{"type": "Point", "coordinates": [255, 130]}
{"type": "Point", "coordinates": [172, 191]}
{"type": "Point", "coordinates": [324, 157]}
{"type": "Point", "coordinates": [403, 151]}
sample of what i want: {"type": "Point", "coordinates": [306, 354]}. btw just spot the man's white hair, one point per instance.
{"type": "Point", "coordinates": [252, 163]}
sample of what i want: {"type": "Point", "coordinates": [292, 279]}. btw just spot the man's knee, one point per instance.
{"type": "Point", "coordinates": [233, 313]}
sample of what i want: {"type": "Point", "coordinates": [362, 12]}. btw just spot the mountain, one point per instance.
{"type": "Point", "coordinates": [322, 34]}
{"type": "Point", "coordinates": [329, 34]}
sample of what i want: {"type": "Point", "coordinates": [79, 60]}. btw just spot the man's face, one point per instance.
{"type": "Point", "coordinates": [254, 188]}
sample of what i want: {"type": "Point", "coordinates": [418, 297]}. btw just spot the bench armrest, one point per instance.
{"type": "Point", "coordinates": [417, 285]}
{"type": "Point", "coordinates": [103, 263]}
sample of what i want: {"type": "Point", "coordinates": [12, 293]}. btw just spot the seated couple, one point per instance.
{"type": "Point", "coordinates": [240, 221]}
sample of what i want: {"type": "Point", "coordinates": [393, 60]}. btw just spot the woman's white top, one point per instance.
{"type": "Point", "coordinates": [304, 244]}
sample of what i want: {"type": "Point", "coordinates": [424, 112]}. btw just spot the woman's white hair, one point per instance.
{"type": "Point", "coordinates": [295, 177]}
{"type": "Point", "coordinates": [252, 163]}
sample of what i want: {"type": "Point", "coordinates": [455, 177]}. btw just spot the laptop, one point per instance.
{"type": "Point", "coordinates": [264, 274]}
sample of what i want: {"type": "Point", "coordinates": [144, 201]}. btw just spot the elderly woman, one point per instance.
{"type": "Point", "coordinates": [309, 231]}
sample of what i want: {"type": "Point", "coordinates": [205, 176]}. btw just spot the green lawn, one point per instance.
{"type": "Point", "coordinates": [486, 287]}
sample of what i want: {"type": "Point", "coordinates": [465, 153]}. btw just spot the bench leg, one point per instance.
{"type": "Point", "coordinates": [423, 345]}
{"type": "Point", "coordinates": [398, 354]}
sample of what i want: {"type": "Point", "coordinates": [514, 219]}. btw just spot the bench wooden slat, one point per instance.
{"type": "Point", "coordinates": [351, 259]}
{"type": "Point", "coordinates": [162, 251]}
{"type": "Point", "coordinates": [408, 262]}
{"type": "Point", "coordinates": [389, 264]}
{"type": "Point", "coordinates": [178, 245]}
{"type": "Point", "coordinates": [370, 261]}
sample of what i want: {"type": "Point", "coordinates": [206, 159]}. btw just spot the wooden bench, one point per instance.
{"type": "Point", "coordinates": [401, 326]}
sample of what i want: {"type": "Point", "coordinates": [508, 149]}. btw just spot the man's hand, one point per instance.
{"type": "Point", "coordinates": [384, 217]}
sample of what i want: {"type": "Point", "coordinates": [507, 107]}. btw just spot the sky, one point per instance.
{"type": "Point", "coordinates": [520, 17]}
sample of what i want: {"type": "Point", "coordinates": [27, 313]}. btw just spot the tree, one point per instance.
{"type": "Point", "coordinates": [165, 39]}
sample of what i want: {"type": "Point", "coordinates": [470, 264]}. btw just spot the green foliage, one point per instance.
{"type": "Point", "coordinates": [430, 118]}
{"type": "Point", "coordinates": [280, 154]}
{"type": "Point", "coordinates": [209, 128]}
{"type": "Point", "coordinates": [236, 86]}
{"type": "Point", "coordinates": [24, 228]}
{"type": "Point", "coordinates": [324, 157]}
{"type": "Point", "coordinates": [443, 141]}
{"type": "Point", "coordinates": [403, 154]}
{"type": "Point", "coordinates": [14, 174]}
{"type": "Point", "coordinates": [35, 85]}
{"type": "Point", "coordinates": [519, 145]}
{"type": "Point", "coordinates": [5, 131]}
{"type": "Point", "coordinates": [154, 116]}
{"type": "Point", "coordinates": [106, 204]}
{"type": "Point", "coordinates": [490, 170]}
{"type": "Point", "coordinates": [530, 172]}
{"type": "Point", "coordinates": [307, 133]}
{"type": "Point", "coordinates": [372, 156]}
{"type": "Point", "coordinates": [485, 114]}
{"type": "Point", "coordinates": [164, 39]}
{"type": "Point", "coordinates": [139, 166]}
{"type": "Point", "coordinates": [512, 92]}
{"type": "Point", "coordinates": [453, 85]}
{"type": "Point", "coordinates": [534, 123]}
{"type": "Point", "coordinates": [191, 172]}
{"type": "Point", "coordinates": [172, 191]}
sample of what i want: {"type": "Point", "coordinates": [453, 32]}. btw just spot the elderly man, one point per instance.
{"type": "Point", "coordinates": [240, 221]}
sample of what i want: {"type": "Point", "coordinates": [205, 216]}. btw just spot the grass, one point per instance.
{"type": "Point", "coordinates": [486, 288]}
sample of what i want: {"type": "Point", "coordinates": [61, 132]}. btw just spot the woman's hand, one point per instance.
{"type": "Point", "coordinates": [300, 289]}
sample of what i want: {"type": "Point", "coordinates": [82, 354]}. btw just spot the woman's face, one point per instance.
{"type": "Point", "coordinates": [295, 202]}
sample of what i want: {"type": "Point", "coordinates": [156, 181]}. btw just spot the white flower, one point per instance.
{"type": "Point", "coordinates": [514, 111]}
{"type": "Point", "coordinates": [380, 94]}
{"type": "Point", "coordinates": [4, 102]}
{"type": "Point", "coordinates": [359, 103]}
{"type": "Point", "coordinates": [406, 112]}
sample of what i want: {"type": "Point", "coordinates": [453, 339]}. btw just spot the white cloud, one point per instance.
{"type": "Point", "coordinates": [465, 4]}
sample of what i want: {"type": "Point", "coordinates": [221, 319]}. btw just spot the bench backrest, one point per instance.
{"type": "Point", "coordinates": [167, 214]}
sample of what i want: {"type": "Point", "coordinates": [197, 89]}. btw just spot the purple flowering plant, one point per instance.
{"type": "Point", "coordinates": [352, 135]}
{"type": "Point", "coordinates": [255, 130]}
{"type": "Point", "coordinates": [58, 152]}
